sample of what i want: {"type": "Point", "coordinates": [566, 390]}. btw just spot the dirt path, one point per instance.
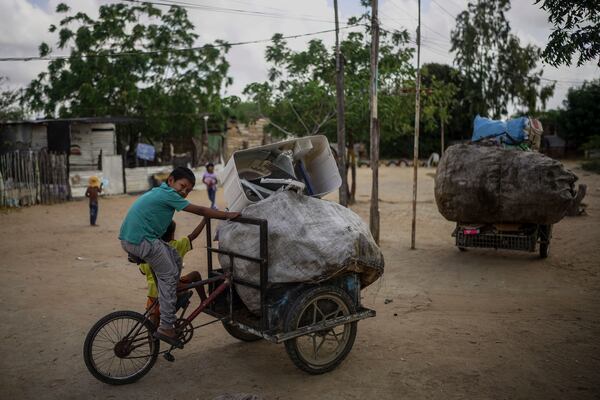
{"type": "Point", "coordinates": [476, 325]}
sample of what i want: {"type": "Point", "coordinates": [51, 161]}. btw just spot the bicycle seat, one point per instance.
{"type": "Point", "coordinates": [134, 259]}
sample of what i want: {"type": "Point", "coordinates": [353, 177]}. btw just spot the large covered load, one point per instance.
{"type": "Point", "coordinates": [491, 184]}
{"type": "Point", "coordinates": [310, 240]}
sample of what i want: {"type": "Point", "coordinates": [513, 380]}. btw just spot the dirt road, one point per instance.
{"type": "Point", "coordinates": [476, 325]}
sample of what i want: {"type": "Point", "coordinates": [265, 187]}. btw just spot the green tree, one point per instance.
{"type": "Point", "coordinates": [299, 97]}
{"type": "Point", "coordinates": [10, 109]}
{"type": "Point", "coordinates": [437, 107]}
{"type": "Point", "coordinates": [581, 116]}
{"type": "Point", "coordinates": [497, 70]}
{"type": "Point", "coordinates": [460, 116]}
{"type": "Point", "coordinates": [133, 60]}
{"type": "Point", "coordinates": [576, 31]}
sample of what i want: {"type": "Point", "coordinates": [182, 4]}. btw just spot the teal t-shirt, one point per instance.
{"type": "Point", "coordinates": [150, 215]}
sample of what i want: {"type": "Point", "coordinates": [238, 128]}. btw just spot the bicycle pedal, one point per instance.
{"type": "Point", "coordinates": [169, 357]}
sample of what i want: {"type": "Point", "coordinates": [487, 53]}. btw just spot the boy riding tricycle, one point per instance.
{"type": "Point", "coordinates": [316, 319]}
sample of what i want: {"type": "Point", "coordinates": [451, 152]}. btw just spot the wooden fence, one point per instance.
{"type": "Point", "coordinates": [31, 177]}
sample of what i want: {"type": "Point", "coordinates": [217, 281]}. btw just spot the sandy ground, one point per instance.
{"type": "Point", "coordinates": [479, 325]}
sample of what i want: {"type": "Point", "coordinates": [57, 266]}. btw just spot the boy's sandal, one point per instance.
{"type": "Point", "coordinates": [168, 339]}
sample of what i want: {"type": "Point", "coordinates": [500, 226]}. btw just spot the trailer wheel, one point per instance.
{"type": "Point", "coordinates": [322, 351]}
{"type": "Point", "coordinates": [240, 334]}
{"type": "Point", "coordinates": [545, 233]}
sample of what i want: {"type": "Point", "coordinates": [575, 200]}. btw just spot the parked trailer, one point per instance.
{"type": "Point", "coordinates": [520, 237]}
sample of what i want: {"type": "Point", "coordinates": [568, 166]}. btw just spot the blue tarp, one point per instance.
{"type": "Point", "coordinates": [508, 132]}
{"type": "Point", "coordinates": [145, 151]}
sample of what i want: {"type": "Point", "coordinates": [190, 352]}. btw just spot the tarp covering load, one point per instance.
{"type": "Point", "coordinates": [310, 240]}
{"type": "Point", "coordinates": [491, 184]}
{"type": "Point", "coordinates": [514, 132]}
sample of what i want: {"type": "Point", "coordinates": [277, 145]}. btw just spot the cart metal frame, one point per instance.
{"type": "Point", "coordinates": [263, 327]}
{"type": "Point", "coordinates": [526, 238]}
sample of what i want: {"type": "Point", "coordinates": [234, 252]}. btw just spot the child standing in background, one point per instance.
{"type": "Point", "coordinates": [93, 192]}
{"type": "Point", "coordinates": [210, 180]}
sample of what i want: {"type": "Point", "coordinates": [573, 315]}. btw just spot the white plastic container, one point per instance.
{"type": "Point", "coordinates": [311, 155]}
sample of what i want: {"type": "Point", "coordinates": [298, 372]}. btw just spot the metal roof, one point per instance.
{"type": "Point", "coordinates": [88, 120]}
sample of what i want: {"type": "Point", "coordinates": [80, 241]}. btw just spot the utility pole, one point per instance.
{"type": "Point", "coordinates": [442, 134]}
{"type": "Point", "coordinates": [341, 119]}
{"type": "Point", "coordinates": [416, 140]}
{"type": "Point", "coordinates": [374, 126]}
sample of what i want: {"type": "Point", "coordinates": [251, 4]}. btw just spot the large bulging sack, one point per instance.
{"type": "Point", "coordinates": [490, 184]}
{"type": "Point", "coordinates": [310, 240]}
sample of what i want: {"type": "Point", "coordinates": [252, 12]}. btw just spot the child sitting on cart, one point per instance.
{"type": "Point", "coordinates": [146, 222]}
{"type": "Point", "coordinates": [182, 246]}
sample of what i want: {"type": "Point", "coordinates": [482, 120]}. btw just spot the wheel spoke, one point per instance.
{"type": "Point", "coordinates": [335, 313]}
{"type": "Point", "coordinates": [319, 347]}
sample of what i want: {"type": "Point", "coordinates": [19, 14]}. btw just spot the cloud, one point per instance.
{"type": "Point", "coordinates": [25, 25]}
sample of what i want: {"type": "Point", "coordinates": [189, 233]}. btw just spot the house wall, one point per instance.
{"type": "Point", "coordinates": [138, 179]}
{"type": "Point", "coordinates": [91, 139]}
{"type": "Point", "coordinates": [241, 136]}
{"type": "Point", "coordinates": [39, 137]}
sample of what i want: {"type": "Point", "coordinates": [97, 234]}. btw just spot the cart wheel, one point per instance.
{"type": "Point", "coordinates": [240, 334]}
{"type": "Point", "coordinates": [120, 349]}
{"type": "Point", "coordinates": [545, 233]}
{"type": "Point", "coordinates": [322, 351]}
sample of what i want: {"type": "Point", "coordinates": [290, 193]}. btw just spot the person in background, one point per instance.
{"type": "Point", "coordinates": [93, 192]}
{"type": "Point", "coordinates": [210, 180]}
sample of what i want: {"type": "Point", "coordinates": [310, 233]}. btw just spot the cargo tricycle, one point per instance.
{"type": "Point", "coordinates": [316, 322]}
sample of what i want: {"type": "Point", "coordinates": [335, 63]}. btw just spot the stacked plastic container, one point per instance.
{"type": "Point", "coordinates": [308, 160]}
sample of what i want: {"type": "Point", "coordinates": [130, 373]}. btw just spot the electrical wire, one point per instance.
{"type": "Point", "coordinates": [443, 9]}
{"type": "Point", "coordinates": [172, 50]}
{"type": "Point", "coordinates": [226, 10]}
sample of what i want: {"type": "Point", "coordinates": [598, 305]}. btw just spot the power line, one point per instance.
{"type": "Point", "coordinates": [253, 13]}
{"type": "Point", "coordinates": [173, 50]}
{"type": "Point", "coordinates": [443, 9]}
{"type": "Point", "coordinates": [562, 81]}
{"type": "Point", "coordinates": [461, 8]}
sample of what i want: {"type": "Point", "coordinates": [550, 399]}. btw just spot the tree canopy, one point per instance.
{"type": "Point", "coordinates": [133, 60]}
{"type": "Point", "coordinates": [581, 115]}
{"type": "Point", "coordinates": [9, 102]}
{"type": "Point", "coordinates": [299, 96]}
{"type": "Point", "coordinates": [498, 71]}
{"type": "Point", "coordinates": [576, 31]}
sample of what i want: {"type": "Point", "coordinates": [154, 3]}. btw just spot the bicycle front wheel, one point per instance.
{"type": "Point", "coordinates": [120, 348]}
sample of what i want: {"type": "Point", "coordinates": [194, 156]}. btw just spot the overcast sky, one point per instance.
{"type": "Point", "coordinates": [24, 25]}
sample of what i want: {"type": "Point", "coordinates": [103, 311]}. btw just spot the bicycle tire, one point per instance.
{"type": "Point", "coordinates": [92, 361]}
